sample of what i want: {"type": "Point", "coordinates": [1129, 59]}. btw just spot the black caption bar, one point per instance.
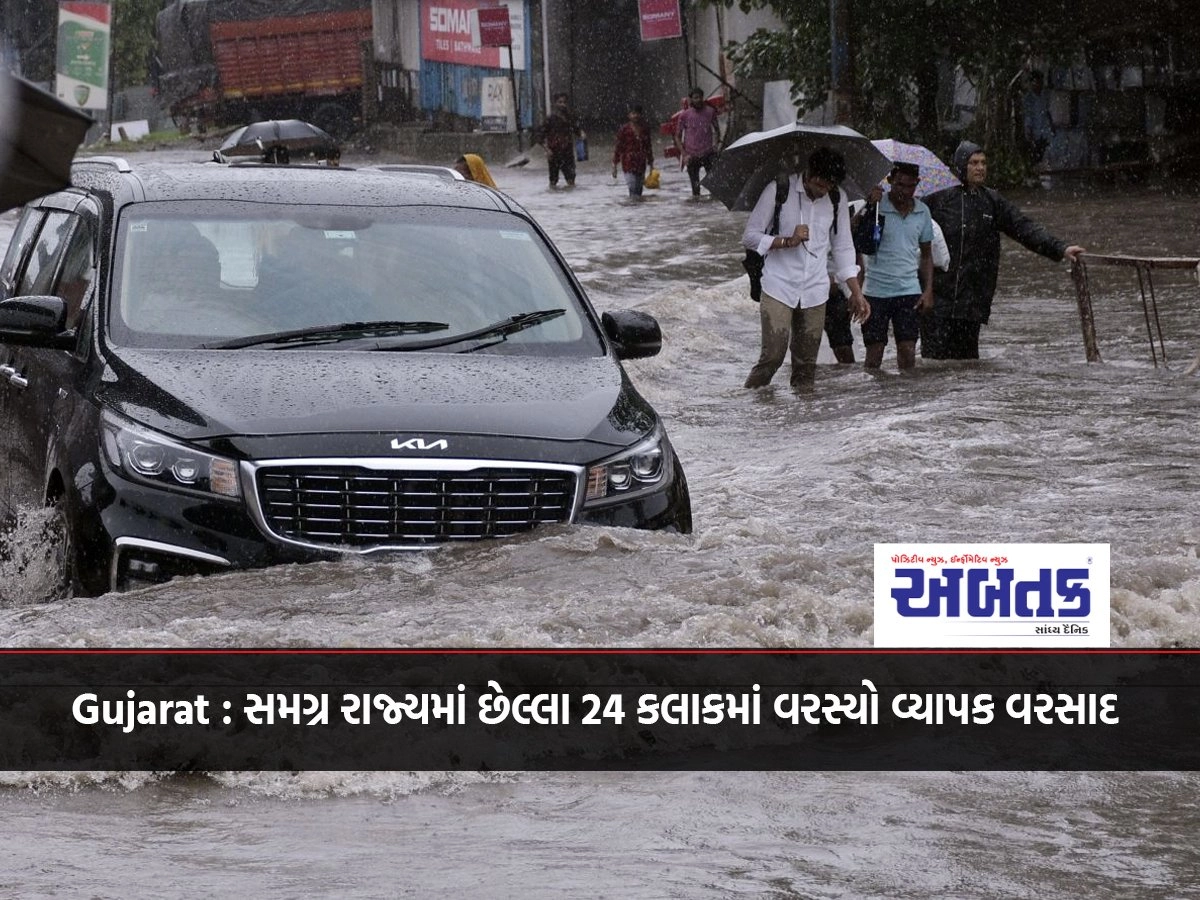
{"type": "Point", "coordinates": [588, 710]}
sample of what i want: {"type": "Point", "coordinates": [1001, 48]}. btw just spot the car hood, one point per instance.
{"type": "Point", "coordinates": [205, 394]}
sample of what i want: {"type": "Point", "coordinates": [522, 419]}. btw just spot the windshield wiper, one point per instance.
{"type": "Point", "coordinates": [346, 331]}
{"type": "Point", "coordinates": [501, 329]}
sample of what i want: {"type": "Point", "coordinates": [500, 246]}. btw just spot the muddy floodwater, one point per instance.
{"type": "Point", "coordinates": [1030, 444]}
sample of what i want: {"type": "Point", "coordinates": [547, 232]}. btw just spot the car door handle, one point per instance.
{"type": "Point", "coordinates": [14, 377]}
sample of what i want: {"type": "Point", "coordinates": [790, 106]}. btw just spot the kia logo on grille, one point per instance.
{"type": "Point", "coordinates": [419, 444]}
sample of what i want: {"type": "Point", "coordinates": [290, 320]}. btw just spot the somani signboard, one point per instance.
{"type": "Point", "coordinates": [447, 34]}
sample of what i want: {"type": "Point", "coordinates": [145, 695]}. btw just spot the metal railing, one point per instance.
{"type": "Point", "coordinates": [1145, 267]}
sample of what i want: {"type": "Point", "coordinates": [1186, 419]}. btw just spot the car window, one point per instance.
{"type": "Point", "coordinates": [38, 276]}
{"type": "Point", "coordinates": [77, 272]}
{"type": "Point", "coordinates": [31, 218]}
{"type": "Point", "coordinates": [230, 271]}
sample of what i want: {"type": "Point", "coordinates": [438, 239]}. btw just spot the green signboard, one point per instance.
{"type": "Point", "coordinates": [83, 48]}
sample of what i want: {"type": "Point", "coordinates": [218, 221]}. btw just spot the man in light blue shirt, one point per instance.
{"type": "Point", "coordinates": [899, 282]}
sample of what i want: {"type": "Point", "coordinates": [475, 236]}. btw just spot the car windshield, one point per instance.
{"type": "Point", "coordinates": [233, 275]}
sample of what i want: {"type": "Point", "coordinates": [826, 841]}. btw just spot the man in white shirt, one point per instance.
{"type": "Point", "coordinates": [795, 279]}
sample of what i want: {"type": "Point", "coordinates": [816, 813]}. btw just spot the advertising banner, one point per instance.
{"type": "Point", "coordinates": [446, 34]}
{"type": "Point", "coordinates": [660, 19]}
{"type": "Point", "coordinates": [490, 27]}
{"type": "Point", "coordinates": [83, 48]}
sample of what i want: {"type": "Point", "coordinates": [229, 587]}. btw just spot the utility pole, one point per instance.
{"type": "Point", "coordinates": [841, 93]}
{"type": "Point", "coordinates": [687, 49]}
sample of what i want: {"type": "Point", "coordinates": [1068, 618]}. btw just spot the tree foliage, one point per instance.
{"type": "Point", "coordinates": [133, 41]}
{"type": "Point", "coordinates": [901, 47]}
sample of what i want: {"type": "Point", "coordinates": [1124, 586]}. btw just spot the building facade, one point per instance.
{"type": "Point", "coordinates": [592, 51]}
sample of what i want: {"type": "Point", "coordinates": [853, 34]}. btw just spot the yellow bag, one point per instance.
{"type": "Point", "coordinates": [653, 179]}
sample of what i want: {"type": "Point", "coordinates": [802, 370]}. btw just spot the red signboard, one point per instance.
{"type": "Point", "coordinates": [446, 33]}
{"type": "Point", "coordinates": [660, 19]}
{"type": "Point", "coordinates": [101, 12]}
{"type": "Point", "coordinates": [494, 29]}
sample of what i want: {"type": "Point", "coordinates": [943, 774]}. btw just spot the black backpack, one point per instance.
{"type": "Point", "coordinates": [867, 230]}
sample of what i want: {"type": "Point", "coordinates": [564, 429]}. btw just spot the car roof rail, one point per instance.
{"type": "Point", "coordinates": [118, 163]}
{"type": "Point", "coordinates": [444, 172]}
{"type": "Point", "coordinates": [254, 163]}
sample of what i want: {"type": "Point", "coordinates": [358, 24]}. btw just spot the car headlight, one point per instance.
{"type": "Point", "coordinates": [156, 459]}
{"type": "Point", "coordinates": [642, 469]}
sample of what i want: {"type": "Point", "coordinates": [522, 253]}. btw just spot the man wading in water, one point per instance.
{"type": "Point", "coordinates": [795, 279]}
{"type": "Point", "coordinates": [973, 217]}
{"type": "Point", "coordinates": [899, 279]}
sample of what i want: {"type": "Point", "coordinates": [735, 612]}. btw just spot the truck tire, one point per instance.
{"type": "Point", "coordinates": [334, 118]}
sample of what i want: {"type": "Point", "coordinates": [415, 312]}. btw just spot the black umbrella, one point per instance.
{"type": "Point", "coordinates": [268, 139]}
{"type": "Point", "coordinates": [750, 163]}
{"type": "Point", "coordinates": [39, 137]}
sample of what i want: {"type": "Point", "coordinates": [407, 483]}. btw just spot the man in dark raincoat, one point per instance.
{"type": "Point", "coordinates": [973, 217]}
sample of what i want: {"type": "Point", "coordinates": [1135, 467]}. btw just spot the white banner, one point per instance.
{"type": "Point", "coordinates": [496, 105]}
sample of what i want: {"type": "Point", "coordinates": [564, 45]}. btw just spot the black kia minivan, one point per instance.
{"type": "Point", "coordinates": [207, 366]}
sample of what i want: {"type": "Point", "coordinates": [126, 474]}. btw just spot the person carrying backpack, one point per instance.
{"type": "Point", "coordinates": [795, 277]}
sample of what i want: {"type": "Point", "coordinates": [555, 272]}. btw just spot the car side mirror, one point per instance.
{"type": "Point", "coordinates": [634, 334]}
{"type": "Point", "coordinates": [35, 322]}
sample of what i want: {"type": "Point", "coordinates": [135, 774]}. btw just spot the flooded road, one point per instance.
{"type": "Point", "coordinates": [789, 495]}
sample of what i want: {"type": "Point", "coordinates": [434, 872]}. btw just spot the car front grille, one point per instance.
{"type": "Point", "coordinates": [360, 507]}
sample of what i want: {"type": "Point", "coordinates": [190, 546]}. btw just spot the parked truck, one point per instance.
{"type": "Point", "coordinates": [230, 62]}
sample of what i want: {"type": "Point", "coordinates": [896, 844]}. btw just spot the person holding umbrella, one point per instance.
{"type": "Point", "coordinates": [973, 217]}
{"type": "Point", "coordinates": [276, 141]}
{"type": "Point", "coordinates": [795, 278]}
{"type": "Point", "coordinates": [899, 281]}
